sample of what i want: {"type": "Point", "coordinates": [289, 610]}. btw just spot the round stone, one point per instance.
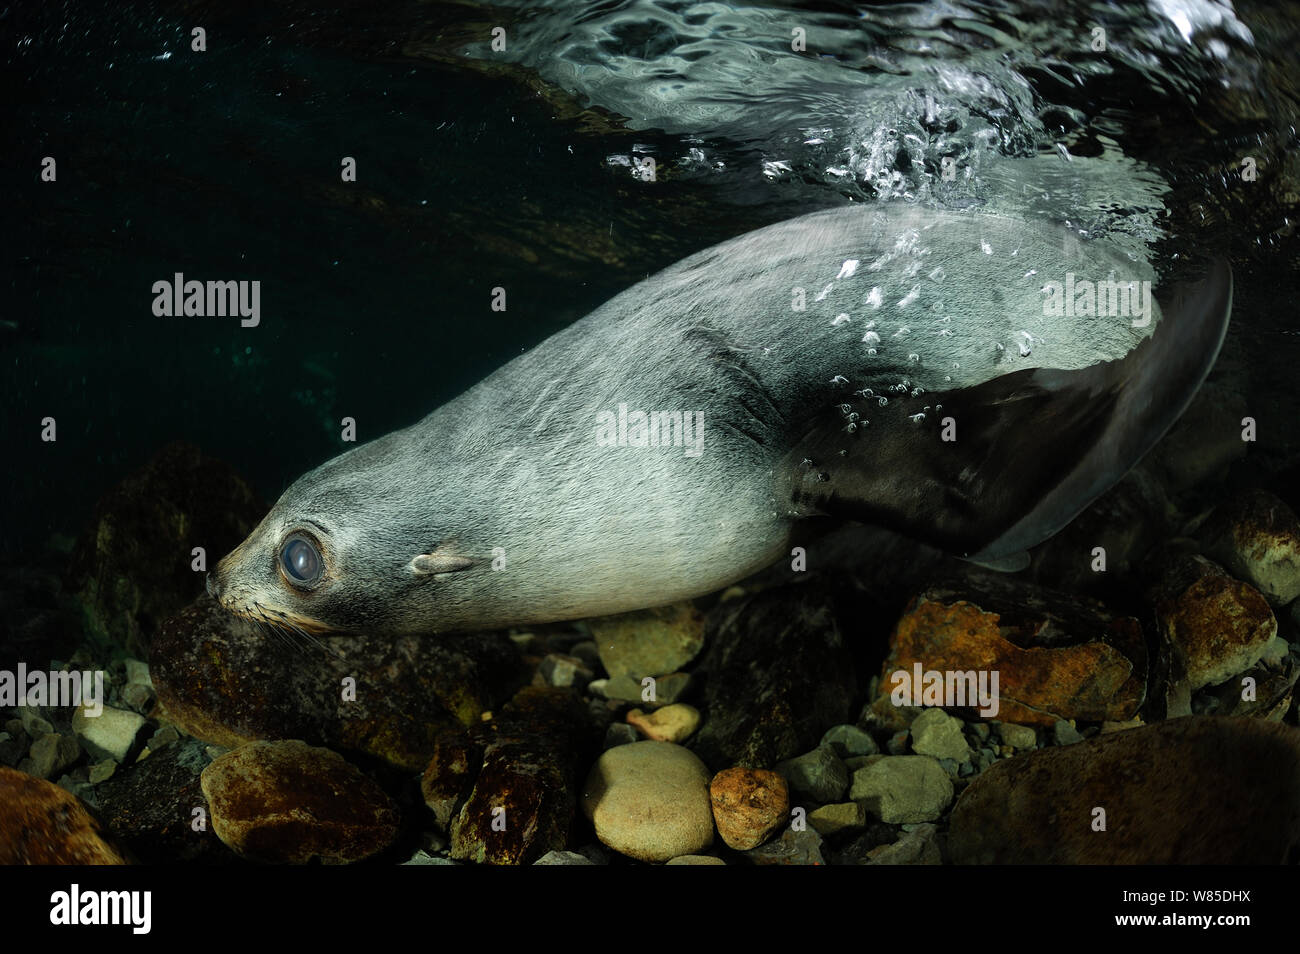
{"type": "Point", "coordinates": [650, 800]}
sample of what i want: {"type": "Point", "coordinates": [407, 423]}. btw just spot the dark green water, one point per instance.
{"type": "Point", "coordinates": [478, 170]}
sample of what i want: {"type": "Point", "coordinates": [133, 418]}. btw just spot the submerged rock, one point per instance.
{"type": "Point", "coordinates": [651, 642]}
{"type": "Point", "coordinates": [1256, 537]}
{"type": "Point", "coordinates": [841, 816]}
{"type": "Point", "coordinates": [41, 824]}
{"type": "Point", "coordinates": [1264, 691]}
{"type": "Point", "coordinates": [113, 734]}
{"type": "Point", "coordinates": [819, 775]}
{"type": "Point", "coordinates": [901, 789]}
{"type": "Point", "coordinates": [149, 807]}
{"type": "Point", "coordinates": [50, 755]}
{"type": "Point", "coordinates": [936, 733]}
{"type": "Point", "coordinates": [849, 741]}
{"type": "Point", "coordinates": [224, 680]}
{"type": "Point", "coordinates": [695, 860]}
{"type": "Point", "coordinates": [672, 723]}
{"type": "Point", "coordinates": [453, 765]}
{"type": "Point", "coordinates": [792, 848]}
{"type": "Point", "coordinates": [778, 673]}
{"type": "Point", "coordinates": [291, 803]}
{"type": "Point", "coordinates": [920, 846]}
{"type": "Point", "coordinates": [650, 801]}
{"type": "Point", "coordinates": [525, 791]}
{"type": "Point", "coordinates": [748, 805]}
{"type": "Point", "coordinates": [1057, 656]}
{"type": "Point", "coordinates": [1190, 791]}
{"type": "Point", "coordinates": [1217, 625]}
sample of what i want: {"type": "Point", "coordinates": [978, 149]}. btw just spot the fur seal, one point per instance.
{"type": "Point", "coordinates": [892, 365]}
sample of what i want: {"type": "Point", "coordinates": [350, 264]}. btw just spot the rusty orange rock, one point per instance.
{"type": "Point", "coordinates": [41, 824]}
{"type": "Point", "coordinates": [748, 805]}
{"type": "Point", "coordinates": [1037, 684]}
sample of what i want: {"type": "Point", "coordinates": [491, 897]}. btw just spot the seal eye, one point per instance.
{"type": "Point", "coordinates": [301, 560]}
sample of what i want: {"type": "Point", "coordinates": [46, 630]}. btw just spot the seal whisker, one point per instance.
{"type": "Point", "coordinates": [308, 639]}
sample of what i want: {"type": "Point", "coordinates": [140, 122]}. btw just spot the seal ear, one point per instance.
{"type": "Point", "coordinates": [439, 561]}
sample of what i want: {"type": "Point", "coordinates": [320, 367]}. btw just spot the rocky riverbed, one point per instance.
{"type": "Point", "coordinates": [1145, 709]}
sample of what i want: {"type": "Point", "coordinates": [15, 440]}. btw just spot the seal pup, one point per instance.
{"type": "Point", "coordinates": [892, 365]}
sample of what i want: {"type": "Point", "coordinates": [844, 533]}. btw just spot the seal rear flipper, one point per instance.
{"type": "Point", "coordinates": [991, 470]}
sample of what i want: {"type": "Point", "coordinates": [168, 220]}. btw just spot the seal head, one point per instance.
{"type": "Point", "coordinates": [334, 555]}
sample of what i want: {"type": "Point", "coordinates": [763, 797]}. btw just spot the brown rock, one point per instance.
{"type": "Point", "coordinates": [748, 805]}
{"type": "Point", "coordinates": [1057, 656]}
{"type": "Point", "coordinates": [291, 803]}
{"type": "Point", "coordinates": [1219, 626]}
{"type": "Point", "coordinates": [148, 807]}
{"type": "Point", "coordinates": [778, 673]}
{"type": "Point", "coordinates": [1256, 537]}
{"type": "Point", "coordinates": [450, 774]}
{"type": "Point", "coordinates": [222, 679]}
{"type": "Point", "coordinates": [1199, 790]}
{"type": "Point", "coordinates": [1267, 696]}
{"type": "Point", "coordinates": [41, 824]}
{"type": "Point", "coordinates": [524, 794]}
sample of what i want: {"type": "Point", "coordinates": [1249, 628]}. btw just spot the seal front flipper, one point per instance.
{"type": "Point", "coordinates": [991, 470]}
